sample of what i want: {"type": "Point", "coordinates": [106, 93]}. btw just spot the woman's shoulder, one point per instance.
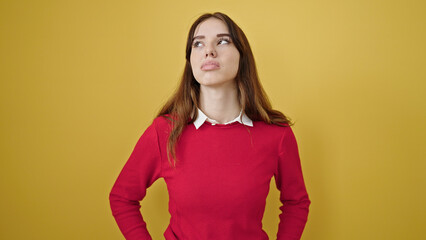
{"type": "Point", "coordinates": [277, 133]}
{"type": "Point", "coordinates": [273, 129]}
{"type": "Point", "coordinates": [163, 121]}
{"type": "Point", "coordinates": [272, 126]}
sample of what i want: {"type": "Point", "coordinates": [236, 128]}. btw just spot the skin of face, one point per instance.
{"type": "Point", "coordinates": [212, 44]}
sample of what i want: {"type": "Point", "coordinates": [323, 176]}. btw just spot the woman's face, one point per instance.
{"type": "Point", "coordinates": [214, 58]}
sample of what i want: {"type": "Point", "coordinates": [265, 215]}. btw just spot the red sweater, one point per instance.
{"type": "Point", "coordinates": [219, 186]}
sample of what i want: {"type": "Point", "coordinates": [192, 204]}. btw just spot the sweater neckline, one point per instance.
{"type": "Point", "coordinates": [220, 125]}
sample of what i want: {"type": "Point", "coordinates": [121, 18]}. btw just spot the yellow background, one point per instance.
{"type": "Point", "coordinates": [81, 80]}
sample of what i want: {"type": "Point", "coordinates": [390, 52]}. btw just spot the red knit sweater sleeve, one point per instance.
{"type": "Point", "coordinates": [140, 171]}
{"type": "Point", "coordinates": [294, 197]}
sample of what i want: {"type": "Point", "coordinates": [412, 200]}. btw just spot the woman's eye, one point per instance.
{"type": "Point", "coordinates": [220, 42]}
{"type": "Point", "coordinates": [196, 44]}
{"type": "Point", "coordinates": [224, 41]}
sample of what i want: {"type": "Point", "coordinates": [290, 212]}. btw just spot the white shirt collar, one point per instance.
{"type": "Point", "coordinates": [201, 118]}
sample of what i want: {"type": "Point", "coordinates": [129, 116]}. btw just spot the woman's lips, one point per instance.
{"type": "Point", "coordinates": [210, 65]}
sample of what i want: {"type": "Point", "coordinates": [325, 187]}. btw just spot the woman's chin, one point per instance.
{"type": "Point", "coordinates": [215, 82]}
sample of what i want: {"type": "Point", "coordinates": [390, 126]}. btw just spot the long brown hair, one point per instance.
{"type": "Point", "coordinates": [181, 108]}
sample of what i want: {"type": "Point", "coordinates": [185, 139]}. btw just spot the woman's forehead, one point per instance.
{"type": "Point", "coordinates": [211, 26]}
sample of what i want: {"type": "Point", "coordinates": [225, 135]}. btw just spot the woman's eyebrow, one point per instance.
{"type": "Point", "coordinates": [218, 35]}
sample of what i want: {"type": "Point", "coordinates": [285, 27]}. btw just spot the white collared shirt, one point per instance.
{"type": "Point", "coordinates": [201, 118]}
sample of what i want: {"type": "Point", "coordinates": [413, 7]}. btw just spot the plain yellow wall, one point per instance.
{"type": "Point", "coordinates": [81, 80]}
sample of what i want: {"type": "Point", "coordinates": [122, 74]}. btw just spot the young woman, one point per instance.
{"type": "Point", "coordinates": [217, 143]}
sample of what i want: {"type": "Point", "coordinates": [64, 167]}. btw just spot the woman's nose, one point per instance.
{"type": "Point", "coordinates": [210, 51]}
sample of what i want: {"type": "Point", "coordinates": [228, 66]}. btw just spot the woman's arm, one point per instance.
{"type": "Point", "coordinates": [140, 171]}
{"type": "Point", "coordinates": [289, 181]}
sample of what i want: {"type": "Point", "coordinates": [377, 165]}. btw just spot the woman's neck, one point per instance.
{"type": "Point", "coordinates": [220, 103]}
